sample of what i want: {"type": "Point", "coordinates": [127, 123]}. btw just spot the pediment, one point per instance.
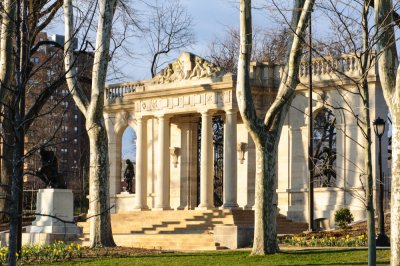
{"type": "Point", "coordinates": [187, 66]}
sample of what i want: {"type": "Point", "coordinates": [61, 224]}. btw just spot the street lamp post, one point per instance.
{"type": "Point", "coordinates": [382, 240]}
{"type": "Point", "coordinates": [311, 227]}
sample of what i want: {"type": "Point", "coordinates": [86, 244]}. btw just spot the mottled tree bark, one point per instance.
{"type": "Point", "coordinates": [389, 75]}
{"type": "Point", "coordinates": [99, 206]}
{"type": "Point", "coordinates": [266, 133]}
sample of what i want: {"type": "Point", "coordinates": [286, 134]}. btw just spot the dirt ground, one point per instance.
{"type": "Point", "coordinates": [355, 229]}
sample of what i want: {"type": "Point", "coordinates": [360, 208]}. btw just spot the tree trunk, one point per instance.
{"type": "Point", "coordinates": [99, 202]}
{"type": "Point", "coordinates": [389, 77]}
{"type": "Point", "coordinates": [369, 193]}
{"type": "Point", "coordinates": [6, 165]}
{"type": "Point", "coordinates": [265, 241]}
{"type": "Point", "coordinates": [16, 195]}
{"type": "Point", "coordinates": [6, 51]}
{"type": "Point", "coordinates": [99, 207]}
{"type": "Point", "coordinates": [365, 66]}
{"type": "Point", "coordinates": [266, 133]}
{"type": "Point", "coordinates": [395, 200]}
{"type": "Point", "coordinates": [6, 77]}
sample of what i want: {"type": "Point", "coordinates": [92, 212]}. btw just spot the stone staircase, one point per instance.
{"type": "Point", "coordinates": [180, 230]}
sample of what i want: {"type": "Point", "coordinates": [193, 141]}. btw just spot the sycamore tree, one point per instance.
{"type": "Point", "coordinates": [266, 132]}
{"type": "Point", "coordinates": [389, 75]}
{"type": "Point", "coordinates": [92, 109]}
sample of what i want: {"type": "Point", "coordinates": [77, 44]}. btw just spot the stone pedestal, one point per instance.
{"type": "Point", "coordinates": [55, 203]}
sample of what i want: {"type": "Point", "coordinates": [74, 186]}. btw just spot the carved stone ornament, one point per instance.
{"type": "Point", "coordinates": [241, 148]}
{"type": "Point", "coordinates": [188, 66]}
{"type": "Point", "coordinates": [174, 152]}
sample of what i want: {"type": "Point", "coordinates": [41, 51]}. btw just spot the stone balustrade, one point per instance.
{"type": "Point", "coordinates": [326, 68]}
{"type": "Point", "coordinates": [323, 69]}
{"type": "Point", "coordinates": [114, 91]}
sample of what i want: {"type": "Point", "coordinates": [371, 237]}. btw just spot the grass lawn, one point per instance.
{"type": "Point", "coordinates": [298, 257]}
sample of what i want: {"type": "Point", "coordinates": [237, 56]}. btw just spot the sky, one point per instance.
{"type": "Point", "coordinates": [211, 18]}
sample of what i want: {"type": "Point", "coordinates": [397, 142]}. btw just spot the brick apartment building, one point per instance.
{"type": "Point", "coordinates": [60, 127]}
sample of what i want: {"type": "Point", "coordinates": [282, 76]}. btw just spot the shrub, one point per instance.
{"type": "Point", "coordinates": [343, 217]}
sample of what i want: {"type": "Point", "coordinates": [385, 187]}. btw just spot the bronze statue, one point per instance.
{"type": "Point", "coordinates": [48, 173]}
{"type": "Point", "coordinates": [128, 175]}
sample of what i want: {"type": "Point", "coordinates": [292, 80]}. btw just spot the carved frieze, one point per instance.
{"type": "Point", "coordinates": [187, 67]}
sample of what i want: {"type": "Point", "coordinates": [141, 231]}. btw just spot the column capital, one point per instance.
{"type": "Point", "coordinates": [205, 112]}
{"type": "Point", "coordinates": [231, 110]}
{"type": "Point", "coordinates": [163, 116]}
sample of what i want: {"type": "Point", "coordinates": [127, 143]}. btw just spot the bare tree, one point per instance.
{"type": "Point", "coordinates": [266, 132]}
{"type": "Point", "coordinates": [100, 226]}
{"type": "Point", "coordinates": [21, 26]}
{"type": "Point", "coordinates": [268, 47]}
{"type": "Point", "coordinates": [169, 29]}
{"type": "Point", "coordinates": [353, 36]}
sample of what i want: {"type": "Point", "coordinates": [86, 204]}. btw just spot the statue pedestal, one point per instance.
{"type": "Point", "coordinates": [53, 204]}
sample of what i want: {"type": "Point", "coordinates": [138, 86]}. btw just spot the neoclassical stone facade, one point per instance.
{"type": "Point", "coordinates": [175, 166]}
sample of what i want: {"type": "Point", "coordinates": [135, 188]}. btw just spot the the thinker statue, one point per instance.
{"type": "Point", "coordinates": [48, 173]}
{"type": "Point", "coordinates": [128, 175]}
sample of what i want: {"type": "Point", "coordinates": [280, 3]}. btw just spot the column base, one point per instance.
{"type": "Point", "coordinates": [137, 209]}
{"type": "Point", "coordinates": [230, 206]}
{"type": "Point", "coordinates": [162, 209]}
{"type": "Point", "coordinates": [204, 208]}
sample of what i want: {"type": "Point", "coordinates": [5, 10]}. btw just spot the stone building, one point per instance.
{"type": "Point", "coordinates": [172, 117]}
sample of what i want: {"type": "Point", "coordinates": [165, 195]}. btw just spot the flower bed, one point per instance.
{"type": "Point", "coordinates": [328, 241]}
{"type": "Point", "coordinates": [58, 251]}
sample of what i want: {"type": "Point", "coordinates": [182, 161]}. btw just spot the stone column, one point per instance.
{"type": "Point", "coordinates": [230, 160]}
{"type": "Point", "coordinates": [206, 163]}
{"type": "Point", "coordinates": [114, 155]}
{"type": "Point", "coordinates": [163, 158]}
{"type": "Point", "coordinates": [141, 164]}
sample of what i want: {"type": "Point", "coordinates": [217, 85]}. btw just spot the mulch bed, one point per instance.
{"type": "Point", "coordinates": [353, 230]}
{"type": "Point", "coordinates": [116, 252]}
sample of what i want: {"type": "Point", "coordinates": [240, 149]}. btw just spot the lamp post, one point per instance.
{"type": "Point", "coordinates": [311, 227]}
{"type": "Point", "coordinates": [382, 239]}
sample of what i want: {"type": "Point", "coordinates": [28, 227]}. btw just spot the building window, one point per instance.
{"type": "Point", "coordinates": [76, 129]}
{"type": "Point", "coordinates": [35, 60]}
{"type": "Point", "coordinates": [75, 141]}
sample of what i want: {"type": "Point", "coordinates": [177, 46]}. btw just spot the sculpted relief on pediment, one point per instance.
{"type": "Point", "coordinates": [187, 67]}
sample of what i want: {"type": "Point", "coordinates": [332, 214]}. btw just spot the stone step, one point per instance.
{"type": "Point", "coordinates": [181, 230]}
{"type": "Point", "coordinates": [164, 242]}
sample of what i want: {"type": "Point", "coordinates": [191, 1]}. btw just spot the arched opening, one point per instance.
{"type": "Point", "coordinates": [324, 134]}
{"type": "Point", "coordinates": [218, 150]}
{"type": "Point", "coordinates": [128, 152]}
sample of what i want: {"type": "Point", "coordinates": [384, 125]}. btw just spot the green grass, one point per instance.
{"type": "Point", "coordinates": [230, 258]}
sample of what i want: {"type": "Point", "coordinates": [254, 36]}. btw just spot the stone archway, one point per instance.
{"type": "Point", "coordinates": [324, 136]}
{"type": "Point", "coordinates": [128, 152]}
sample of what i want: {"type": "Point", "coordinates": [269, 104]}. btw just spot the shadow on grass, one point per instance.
{"type": "Point", "coordinates": [319, 251]}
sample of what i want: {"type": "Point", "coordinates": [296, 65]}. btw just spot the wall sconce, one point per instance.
{"type": "Point", "coordinates": [241, 148]}
{"type": "Point", "coordinates": [174, 152]}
